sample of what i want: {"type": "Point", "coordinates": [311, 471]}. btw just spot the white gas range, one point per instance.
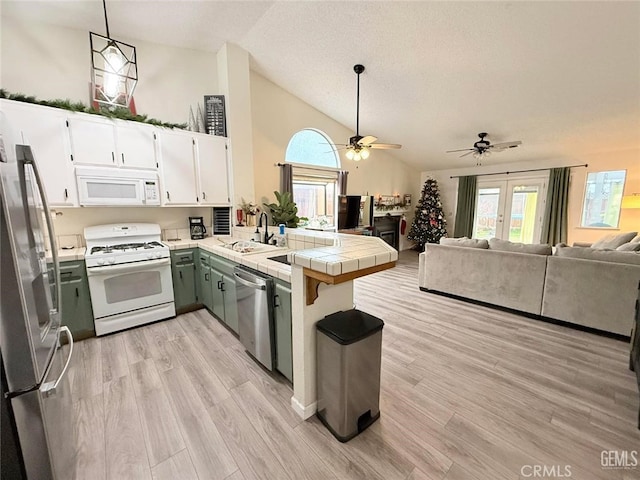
{"type": "Point", "coordinates": [129, 271]}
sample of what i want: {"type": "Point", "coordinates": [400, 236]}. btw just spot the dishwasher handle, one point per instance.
{"type": "Point", "coordinates": [247, 283]}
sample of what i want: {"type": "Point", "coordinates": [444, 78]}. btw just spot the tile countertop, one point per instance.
{"type": "Point", "coordinates": [325, 252]}
{"type": "Point", "coordinates": [71, 254]}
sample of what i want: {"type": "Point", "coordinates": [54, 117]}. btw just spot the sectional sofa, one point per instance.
{"type": "Point", "coordinates": [583, 286]}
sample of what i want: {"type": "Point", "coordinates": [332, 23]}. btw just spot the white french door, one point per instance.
{"type": "Point", "coordinates": [510, 209]}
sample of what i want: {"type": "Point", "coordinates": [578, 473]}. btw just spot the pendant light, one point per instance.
{"type": "Point", "coordinates": [114, 71]}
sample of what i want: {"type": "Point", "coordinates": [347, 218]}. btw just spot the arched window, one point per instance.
{"type": "Point", "coordinates": [315, 176]}
{"type": "Point", "coordinates": [312, 147]}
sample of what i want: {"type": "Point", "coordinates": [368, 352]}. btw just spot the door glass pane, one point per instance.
{"type": "Point", "coordinates": [486, 213]}
{"type": "Point", "coordinates": [523, 213]}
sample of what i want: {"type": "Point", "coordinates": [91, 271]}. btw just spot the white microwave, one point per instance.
{"type": "Point", "coordinates": [117, 187]}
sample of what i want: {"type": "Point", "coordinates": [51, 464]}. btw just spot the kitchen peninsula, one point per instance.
{"type": "Point", "coordinates": [323, 267]}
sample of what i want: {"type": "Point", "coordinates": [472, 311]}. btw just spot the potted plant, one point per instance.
{"type": "Point", "coordinates": [285, 211]}
{"type": "Point", "coordinates": [250, 210]}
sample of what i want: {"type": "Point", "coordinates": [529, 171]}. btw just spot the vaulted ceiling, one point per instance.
{"type": "Point", "coordinates": [562, 77]}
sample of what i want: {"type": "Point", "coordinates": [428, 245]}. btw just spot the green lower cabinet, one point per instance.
{"type": "Point", "coordinates": [205, 289]}
{"type": "Point", "coordinates": [282, 320]}
{"type": "Point", "coordinates": [77, 313]}
{"type": "Point", "coordinates": [230, 303]}
{"type": "Point", "coordinates": [183, 270]}
{"type": "Point", "coordinates": [218, 294]}
{"type": "Point", "coordinates": [217, 288]}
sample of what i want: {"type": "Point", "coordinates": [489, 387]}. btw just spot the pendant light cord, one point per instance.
{"type": "Point", "coordinates": [357, 107]}
{"type": "Point", "coordinates": [106, 21]}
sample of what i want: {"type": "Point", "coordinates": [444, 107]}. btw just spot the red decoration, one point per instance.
{"type": "Point", "coordinates": [403, 225]}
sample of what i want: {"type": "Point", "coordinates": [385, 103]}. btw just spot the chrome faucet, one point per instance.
{"type": "Point", "coordinates": [267, 237]}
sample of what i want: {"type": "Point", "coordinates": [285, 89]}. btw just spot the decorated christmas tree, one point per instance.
{"type": "Point", "coordinates": [429, 224]}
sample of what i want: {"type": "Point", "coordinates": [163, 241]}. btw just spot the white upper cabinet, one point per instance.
{"type": "Point", "coordinates": [194, 168]}
{"type": "Point", "coordinates": [135, 144]}
{"type": "Point", "coordinates": [179, 184]}
{"type": "Point", "coordinates": [212, 169]}
{"type": "Point", "coordinates": [105, 142]}
{"type": "Point", "coordinates": [44, 129]}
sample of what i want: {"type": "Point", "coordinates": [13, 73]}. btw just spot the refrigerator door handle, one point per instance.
{"type": "Point", "coordinates": [25, 156]}
{"type": "Point", "coordinates": [49, 388]}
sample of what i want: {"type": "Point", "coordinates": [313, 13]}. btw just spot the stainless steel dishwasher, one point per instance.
{"type": "Point", "coordinates": [254, 292]}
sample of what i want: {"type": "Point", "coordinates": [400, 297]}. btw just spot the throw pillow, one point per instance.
{"type": "Point", "coordinates": [600, 255]}
{"type": "Point", "coordinates": [507, 246]}
{"type": "Point", "coordinates": [629, 247]}
{"type": "Point", "coordinates": [464, 242]}
{"type": "Point", "coordinates": [636, 240]}
{"type": "Point", "coordinates": [613, 241]}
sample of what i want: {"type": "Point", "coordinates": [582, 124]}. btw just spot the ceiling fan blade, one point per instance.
{"type": "Point", "coordinates": [369, 139]}
{"type": "Point", "coordinates": [384, 146]}
{"type": "Point", "coordinates": [461, 150]}
{"type": "Point", "coordinates": [465, 154]}
{"type": "Point", "coordinates": [503, 146]}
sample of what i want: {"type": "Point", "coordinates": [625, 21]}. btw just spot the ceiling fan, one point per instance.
{"type": "Point", "coordinates": [358, 146]}
{"type": "Point", "coordinates": [483, 148]}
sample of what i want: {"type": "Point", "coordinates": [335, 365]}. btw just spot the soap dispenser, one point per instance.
{"type": "Point", "coordinates": [256, 236]}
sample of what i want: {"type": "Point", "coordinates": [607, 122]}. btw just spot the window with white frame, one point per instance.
{"type": "Point", "coordinates": [315, 173]}
{"type": "Point", "coordinates": [602, 199]}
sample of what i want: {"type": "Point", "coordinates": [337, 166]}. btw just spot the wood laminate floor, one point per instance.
{"type": "Point", "coordinates": [467, 393]}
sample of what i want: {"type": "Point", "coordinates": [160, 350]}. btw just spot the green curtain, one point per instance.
{"type": "Point", "coordinates": [554, 225]}
{"type": "Point", "coordinates": [466, 208]}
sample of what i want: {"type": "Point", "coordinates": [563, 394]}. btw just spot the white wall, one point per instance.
{"type": "Point", "coordinates": [628, 160]}
{"type": "Point", "coordinates": [71, 221]}
{"type": "Point", "coordinates": [54, 62]}
{"type": "Point", "coordinates": [277, 115]}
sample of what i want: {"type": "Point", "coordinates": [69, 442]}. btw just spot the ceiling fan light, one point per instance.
{"type": "Point", "coordinates": [350, 153]}
{"type": "Point", "coordinates": [357, 157]}
{"type": "Point", "coordinates": [364, 153]}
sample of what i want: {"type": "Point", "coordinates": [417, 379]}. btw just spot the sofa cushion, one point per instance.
{"type": "Point", "coordinates": [613, 241]}
{"type": "Point", "coordinates": [629, 247]}
{"type": "Point", "coordinates": [464, 242]}
{"type": "Point", "coordinates": [507, 246]}
{"type": "Point", "coordinates": [600, 255]}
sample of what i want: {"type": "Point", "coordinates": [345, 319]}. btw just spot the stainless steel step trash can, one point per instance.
{"type": "Point", "coordinates": [349, 349]}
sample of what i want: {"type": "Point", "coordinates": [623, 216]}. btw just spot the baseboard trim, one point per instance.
{"type": "Point", "coordinates": [575, 326]}
{"type": "Point", "coordinates": [301, 410]}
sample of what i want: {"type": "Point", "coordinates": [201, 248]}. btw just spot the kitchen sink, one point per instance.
{"type": "Point", "coordinates": [281, 259]}
{"type": "Point", "coordinates": [244, 247]}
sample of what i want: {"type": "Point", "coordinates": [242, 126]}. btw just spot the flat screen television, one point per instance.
{"type": "Point", "coordinates": [355, 211]}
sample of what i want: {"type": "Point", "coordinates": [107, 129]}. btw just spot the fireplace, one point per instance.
{"type": "Point", "coordinates": [388, 229]}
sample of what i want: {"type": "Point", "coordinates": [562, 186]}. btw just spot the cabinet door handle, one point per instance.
{"type": "Point", "coordinates": [180, 274]}
{"type": "Point", "coordinates": [206, 277]}
{"type": "Point", "coordinates": [204, 196]}
{"type": "Point", "coordinates": [222, 286]}
{"type": "Point", "coordinates": [66, 194]}
{"type": "Point", "coordinates": [113, 157]}
{"type": "Point", "coordinates": [168, 196]}
{"type": "Point", "coordinates": [275, 301]}
{"type": "Point", "coordinates": [122, 157]}
{"type": "Point", "coordinates": [219, 284]}
{"type": "Point", "coordinates": [185, 258]}
{"type": "Point", "coordinates": [77, 293]}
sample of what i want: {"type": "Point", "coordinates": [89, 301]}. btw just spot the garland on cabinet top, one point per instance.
{"type": "Point", "coordinates": [118, 112]}
{"type": "Point", "coordinates": [429, 224]}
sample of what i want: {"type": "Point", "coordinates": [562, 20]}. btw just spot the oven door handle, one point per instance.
{"type": "Point", "coordinates": [128, 267]}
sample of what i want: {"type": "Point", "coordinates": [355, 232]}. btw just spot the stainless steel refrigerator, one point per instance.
{"type": "Point", "coordinates": [37, 428]}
